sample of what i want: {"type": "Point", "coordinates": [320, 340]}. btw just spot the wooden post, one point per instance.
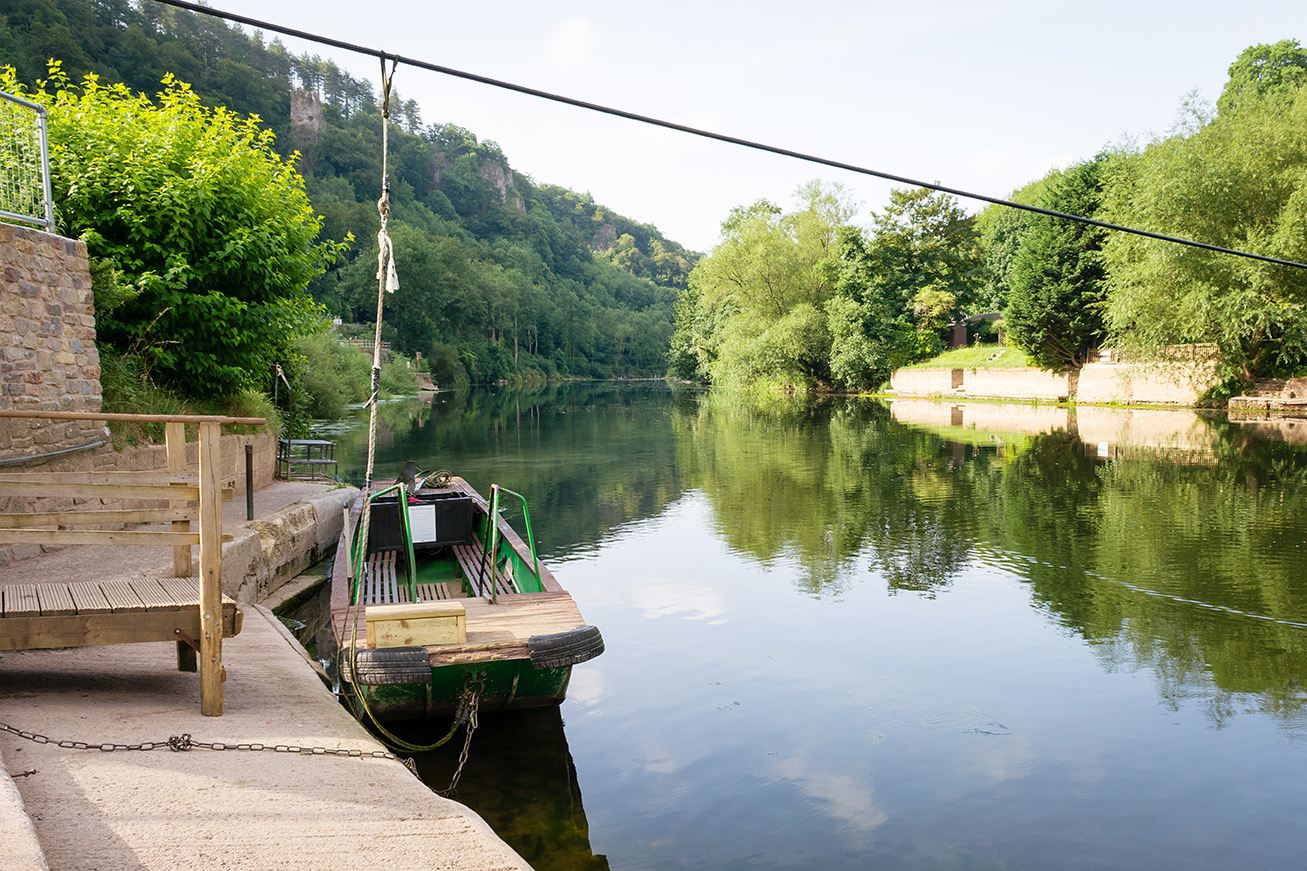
{"type": "Point", "coordinates": [175, 440]}
{"type": "Point", "coordinates": [211, 670]}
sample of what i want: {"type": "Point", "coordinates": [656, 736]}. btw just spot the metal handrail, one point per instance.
{"type": "Point", "coordinates": [530, 538]}
{"type": "Point", "coordinates": [361, 547]}
{"type": "Point", "coordinates": [46, 220]}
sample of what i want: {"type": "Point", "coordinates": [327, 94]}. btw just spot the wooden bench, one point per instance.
{"type": "Point", "coordinates": [472, 559]}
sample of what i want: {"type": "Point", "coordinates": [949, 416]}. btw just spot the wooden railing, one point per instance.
{"type": "Point", "coordinates": [190, 496]}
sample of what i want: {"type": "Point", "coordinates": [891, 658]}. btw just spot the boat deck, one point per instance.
{"type": "Point", "coordinates": [494, 631]}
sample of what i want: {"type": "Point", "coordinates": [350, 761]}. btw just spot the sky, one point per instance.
{"type": "Point", "coordinates": [977, 96]}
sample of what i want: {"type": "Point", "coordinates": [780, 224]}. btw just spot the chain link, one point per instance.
{"type": "Point", "coordinates": [468, 703]}
{"type": "Point", "coordinates": [183, 742]}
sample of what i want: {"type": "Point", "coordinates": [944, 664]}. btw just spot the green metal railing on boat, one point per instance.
{"type": "Point", "coordinates": [490, 544]}
{"type": "Point", "coordinates": [360, 547]}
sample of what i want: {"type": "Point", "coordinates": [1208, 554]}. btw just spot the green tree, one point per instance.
{"type": "Point", "coordinates": [1279, 68]}
{"type": "Point", "coordinates": [206, 223]}
{"type": "Point", "coordinates": [755, 309]}
{"type": "Point", "coordinates": [924, 243]}
{"type": "Point", "coordinates": [1238, 180]}
{"type": "Point", "coordinates": [1055, 303]}
{"type": "Point", "coordinates": [1000, 229]}
{"type": "Point", "coordinates": [871, 334]}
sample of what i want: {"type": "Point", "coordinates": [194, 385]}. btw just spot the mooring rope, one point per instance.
{"type": "Point", "coordinates": [388, 282]}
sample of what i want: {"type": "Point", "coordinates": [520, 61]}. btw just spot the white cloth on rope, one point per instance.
{"type": "Point", "coordinates": [386, 261]}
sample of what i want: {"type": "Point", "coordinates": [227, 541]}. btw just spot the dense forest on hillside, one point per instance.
{"type": "Point", "coordinates": [501, 277]}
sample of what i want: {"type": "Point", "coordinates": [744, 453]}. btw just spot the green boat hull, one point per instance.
{"type": "Point", "coordinates": [506, 685]}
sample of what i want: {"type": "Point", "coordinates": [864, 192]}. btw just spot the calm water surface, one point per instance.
{"type": "Point", "coordinates": [849, 634]}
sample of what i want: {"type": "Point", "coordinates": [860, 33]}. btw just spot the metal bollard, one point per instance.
{"type": "Point", "coordinates": [249, 481]}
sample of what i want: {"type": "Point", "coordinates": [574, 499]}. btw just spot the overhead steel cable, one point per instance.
{"type": "Point", "coordinates": [708, 134]}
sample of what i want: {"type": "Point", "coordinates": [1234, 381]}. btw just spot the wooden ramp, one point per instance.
{"type": "Point", "coordinates": [35, 616]}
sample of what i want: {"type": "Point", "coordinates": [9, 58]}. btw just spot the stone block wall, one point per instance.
{"type": "Point", "coordinates": [922, 382]}
{"type": "Point", "coordinates": [49, 362]}
{"type": "Point", "coordinates": [48, 358]}
{"type": "Point", "coordinates": [1121, 383]}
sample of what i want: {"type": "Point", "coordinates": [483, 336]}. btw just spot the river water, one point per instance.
{"type": "Point", "coordinates": [851, 634]}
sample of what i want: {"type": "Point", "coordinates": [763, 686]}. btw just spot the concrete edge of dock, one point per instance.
{"type": "Point", "coordinates": [22, 851]}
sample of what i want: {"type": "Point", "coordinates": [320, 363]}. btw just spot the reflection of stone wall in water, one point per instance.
{"type": "Point", "coordinates": [995, 418]}
{"type": "Point", "coordinates": [1177, 435]}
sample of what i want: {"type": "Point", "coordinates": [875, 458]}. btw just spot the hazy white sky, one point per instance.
{"type": "Point", "coordinates": [978, 96]}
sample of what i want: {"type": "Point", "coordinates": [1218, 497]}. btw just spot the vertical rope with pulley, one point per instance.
{"type": "Point", "coordinates": [388, 282]}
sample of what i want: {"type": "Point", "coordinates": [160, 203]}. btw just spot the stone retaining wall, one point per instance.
{"type": "Point", "coordinates": [1105, 383]}
{"type": "Point", "coordinates": [1124, 383]}
{"type": "Point", "coordinates": [48, 358]}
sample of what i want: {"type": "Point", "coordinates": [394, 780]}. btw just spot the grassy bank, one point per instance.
{"type": "Point", "coordinates": [977, 357]}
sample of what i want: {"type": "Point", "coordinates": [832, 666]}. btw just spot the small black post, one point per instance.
{"type": "Point", "coordinates": [249, 481]}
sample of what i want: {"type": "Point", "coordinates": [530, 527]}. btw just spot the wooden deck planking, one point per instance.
{"type": "Point", "coordinates": [497, 631]}
{"type": "Point", "coordinates": [154, 596]}
{"type": "Point", "coordinates": [88, 598]}
{"type": "Point", "coordinates": [21, 601]}
{"type": "Point", "coordinates": [439, 591]}
{"type": "Point", "coordinates": [471, 557]}
{"type": "Point", "coordinates": [182, 591]}
{"type": "Point", "coordinates": [81, 613]}
{"type": "Point", "coordinates": [121, 596]}
{"type": "Point", "coordinates": [55, 600]}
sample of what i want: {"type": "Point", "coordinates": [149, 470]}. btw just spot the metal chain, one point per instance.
{"type": "Point", "coordinates": [179, 743]}
{"type": "Point", "coordinates": [468, 703]}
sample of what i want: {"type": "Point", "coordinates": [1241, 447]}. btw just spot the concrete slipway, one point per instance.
{"type": "Point", "coordinates": [160, 809]}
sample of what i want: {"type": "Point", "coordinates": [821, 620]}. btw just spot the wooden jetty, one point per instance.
{"type": "Point", "coordinates": [187, 609]}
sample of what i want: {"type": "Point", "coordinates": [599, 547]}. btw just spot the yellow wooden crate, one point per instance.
{"type": "Point", "coordinates": [416, 623]}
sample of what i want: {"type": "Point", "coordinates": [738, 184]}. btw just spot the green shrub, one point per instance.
{"type": "Point", "coordinates": [331, 376]}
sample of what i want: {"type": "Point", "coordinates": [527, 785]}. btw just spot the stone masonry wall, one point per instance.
{"type": "Point", "coordinates": [49, 362]}
{"type": "Point", "coordinates": [48, 359]}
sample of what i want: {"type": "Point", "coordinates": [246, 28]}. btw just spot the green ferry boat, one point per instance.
{"type": "Point", "coordinates": [436, 601]}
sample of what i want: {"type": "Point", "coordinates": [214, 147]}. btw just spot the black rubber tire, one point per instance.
{"type": "Point", "coordinates": [389, 666]}
{"type": "Point", "coordinates": [565, 648]}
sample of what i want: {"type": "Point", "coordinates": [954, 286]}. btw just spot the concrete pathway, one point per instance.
{"type": "Point", "coordinates": [89, 809]}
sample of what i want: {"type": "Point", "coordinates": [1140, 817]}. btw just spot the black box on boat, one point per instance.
{"type": "Point", "coordinates": [437, 520]}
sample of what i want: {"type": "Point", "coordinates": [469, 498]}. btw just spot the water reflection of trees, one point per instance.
{"type": "Point", "coordinates": [828, 482]}
{"type": "Point", "coordinates": [1194, 570]}
{"type": "Point", "coordinates": [1191, 563]}
{"type": "Point", "coordinates": [588, 457]}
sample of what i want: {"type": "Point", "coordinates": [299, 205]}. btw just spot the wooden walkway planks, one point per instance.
{"type": "Point", "coordinates": [88, 598]}
{"type": "Point", "coordinates": [20, 600]}
{"type": "Point", "coordinates": [36, 616]}
{"type": "Point", "coordinates": [55, 599]}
